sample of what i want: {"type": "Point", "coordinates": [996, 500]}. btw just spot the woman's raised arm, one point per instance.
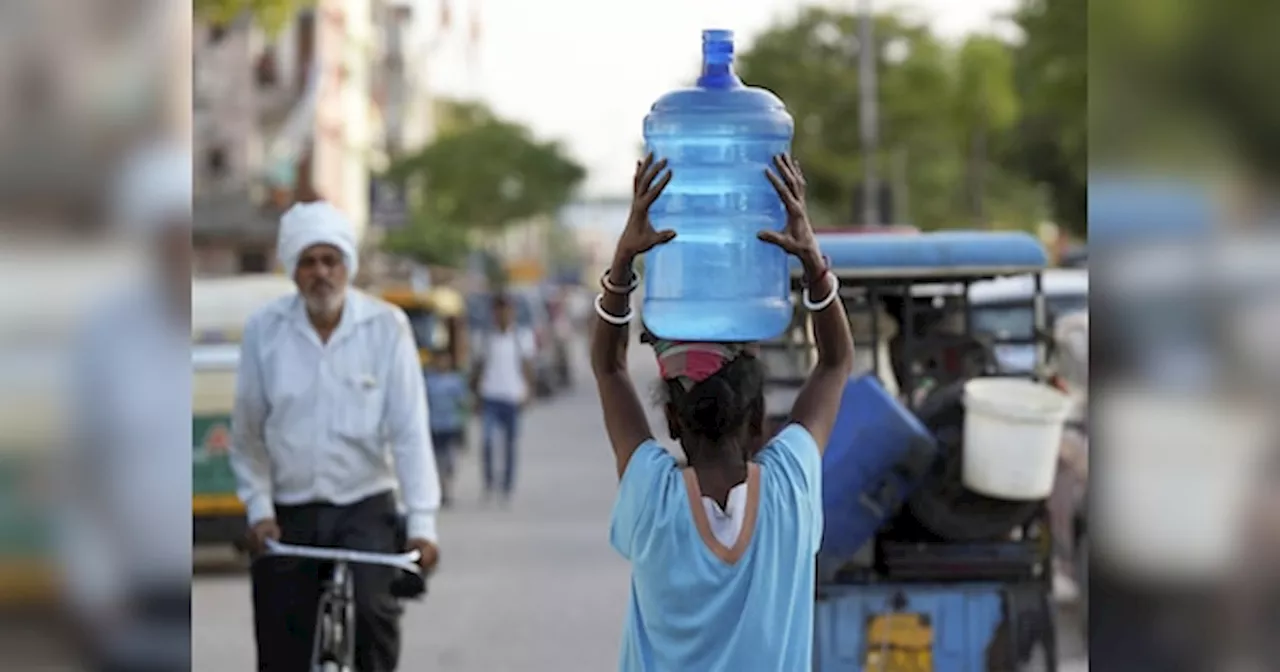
{"type": "Point", "coordinates": [819, 401]}
{"type": "Point", "coordinates": [624, 417]}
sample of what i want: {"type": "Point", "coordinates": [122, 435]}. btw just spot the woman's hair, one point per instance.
{"type": "Point", "coordinates": [723, 404]}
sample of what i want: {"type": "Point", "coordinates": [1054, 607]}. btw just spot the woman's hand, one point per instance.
{"type": "Point", "coordinates": [816, 406]}
{"type": "Point", "coordinates": [639, 235]}
{"type": "Point", "coordinates": [624, 416]}
{"type": "Point", "coordinates": [796, 238]}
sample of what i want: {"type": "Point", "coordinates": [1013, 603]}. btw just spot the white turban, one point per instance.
{"type": "Point", "coordinates": [154, 191]}
{"type": "Point", "coordinates": [317, 223]}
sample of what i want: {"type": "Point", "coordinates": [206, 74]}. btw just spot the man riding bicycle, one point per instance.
{"type": "Point", "coordinates": [329, 396]}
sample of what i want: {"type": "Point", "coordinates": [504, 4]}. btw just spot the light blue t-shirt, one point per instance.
{"type": "Point", "coordinates": [693, 608]}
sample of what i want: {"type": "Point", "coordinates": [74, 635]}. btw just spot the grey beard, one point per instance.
{"type": "Point", "coordinates": [330, 307]}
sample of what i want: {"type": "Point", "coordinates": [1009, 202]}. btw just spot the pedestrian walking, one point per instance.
{"type": "Point", "coordinates": [503, 380]}
{"type": "Point", "coordinates": [722, 550]}
{"type": "Point", "coordinates": [447, 400]}
{"type": "Point", "coordinates": [329, 396]}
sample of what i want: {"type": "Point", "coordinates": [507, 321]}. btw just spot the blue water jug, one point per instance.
{"type": "Point", "coordinates": [716, 281]}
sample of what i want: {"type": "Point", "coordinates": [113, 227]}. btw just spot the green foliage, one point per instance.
{"type": "Point", "coordinates": [1188, 82]}
{"type": "Point", "coordinates": [932, 98]}
{"type": "Point", "coordinates": [272, 15]}
{"type": "Point", "coordinates": [985, 94]}
{"type": "Point", "coordinates": [1051, 70]}
{"type": "Point", "coordinates": [429, 241]}
{"type": "Point", "coordinates": [481, 174]}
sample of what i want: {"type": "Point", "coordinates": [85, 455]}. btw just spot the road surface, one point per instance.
{"type": "Point", "coordinates": [534, 588]}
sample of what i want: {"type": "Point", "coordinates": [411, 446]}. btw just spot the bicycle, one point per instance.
{"type": "Point", "coordinates": [334, 649]}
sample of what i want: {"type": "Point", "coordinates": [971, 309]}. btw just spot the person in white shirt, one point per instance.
{"type": "Point", "coordinates": [503, 379]}
{"type": "Point", "coordinates": [330, 416]}
{"type": "Point", "coordinates": [125, 518]}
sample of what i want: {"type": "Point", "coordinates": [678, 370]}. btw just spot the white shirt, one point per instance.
{"type": "Point", "coordinates": [128, 521]}
{"type": "Point", "coordinates": [726, 523]}
{"type": "Point", "coordinates": [333, 422]}
{"type": "Point", "coordinates": [505, 353]}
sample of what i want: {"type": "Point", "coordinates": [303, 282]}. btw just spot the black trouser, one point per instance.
{"type": "Point", "coordinates": [286, 591]}
{"type": "Point", "coordinates": [161, 634]}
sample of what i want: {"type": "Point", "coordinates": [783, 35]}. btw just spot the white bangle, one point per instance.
{"type": "Point", "coordinates": [826, 301]}
{"type": "Point", "coordinates": [615, 289]}
{"type": "Point", "coordinates": [615, 320]}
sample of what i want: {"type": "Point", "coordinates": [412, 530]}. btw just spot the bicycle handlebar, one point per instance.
{"type": "Point", "coordinates": [406, 561]}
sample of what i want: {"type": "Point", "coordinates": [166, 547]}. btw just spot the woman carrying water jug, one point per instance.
{"type": "Point", "coordinates": [722, 550]}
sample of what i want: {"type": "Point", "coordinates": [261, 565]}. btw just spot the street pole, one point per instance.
{"type": "Point", "coordinates": [869, 114]}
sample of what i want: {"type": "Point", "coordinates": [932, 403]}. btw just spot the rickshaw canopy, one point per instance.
{"type": "Point", "coordinates": [446, 302]}
{"type": "Point", "coordinates": [943, 254]}
{"type": "Point", "coordinates": [406, 298]}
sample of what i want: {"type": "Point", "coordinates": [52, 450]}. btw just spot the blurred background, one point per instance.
{"type": "Point", "coordinates": [490, 144]}
{"type": "Point", "coordinates": [482, 144]}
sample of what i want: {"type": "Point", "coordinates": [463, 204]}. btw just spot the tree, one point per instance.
{"type": "Point", "coordinates": [1051, 69]}
{"type": "Point", "coordinates": [1223, 55]}
{"type": "Point", "coordinates": [271, 15]}
{"type": "Point", "coordinates": [429, 240]}
{"type": "Point", "coordinates": [986, 105]}
{"type": "Point", "coordinates": [480, 174]}
{"type": "Point", "coordinates": [811, 63]}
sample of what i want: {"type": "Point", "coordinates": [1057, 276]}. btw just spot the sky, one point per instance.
{"type": "Point", "coordinates": [585, 72]}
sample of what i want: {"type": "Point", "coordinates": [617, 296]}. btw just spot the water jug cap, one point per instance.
{"type": "Point", "coordinates": [717, 46]}
{"type": "Point", "coordinates": [717, 60]}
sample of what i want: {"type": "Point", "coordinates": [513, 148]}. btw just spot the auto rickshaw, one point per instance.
{"type": "Point", "coordinates": [450, 331]}
{"type": "Point", "coordinates": [219, 309]}
{"type": "Point", "coordinates": [437, 316]}
{"type": "Point", "coordinates": [449, 334]}
{"type": "Point", "coordinates": [944, 579]}
{"type": "Point", "coordinates": [416, 306]}
{"type": "Point", "coordinates": [29, 573]}
{"type": "Point", "coordinates": [43, 461]}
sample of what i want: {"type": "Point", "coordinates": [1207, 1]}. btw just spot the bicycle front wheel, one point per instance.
{"type": "Point", "coordinates": [331, 641]}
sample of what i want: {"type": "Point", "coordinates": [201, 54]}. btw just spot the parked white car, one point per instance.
{"type": "Point", "coordinates": [1003, 308]}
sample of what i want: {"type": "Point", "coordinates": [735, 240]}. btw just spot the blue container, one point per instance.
{"type": "Point", "coordinates": [963, 621]}
{"type": "Point", "coordinates": [716, 281]}
{"type": "Point", "coordinates": [877, 455]}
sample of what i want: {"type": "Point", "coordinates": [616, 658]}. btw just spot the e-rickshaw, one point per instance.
{"type": "Point", "coordinates": [437, 316]}
{"type": "Point", "coordinates": [448, 334]}
{"type": "Point", "coordinates": [416, 306]}
{"type": "Point", "coordinates": [949, 580]}
{"type": "Point", "coordinates": [29, 573]}
{"type": "Point", "coordinates": [450, 331]}
{"type": "Point", "coordinates": [219, 309]}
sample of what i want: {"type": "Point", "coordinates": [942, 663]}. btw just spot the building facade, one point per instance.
{"type": "Point", "coordinates": [347, 134]}
{"type": "Point", "coordinates": [228, 232]}
{"type": "Point", "coordinates": [276, 120]}
{"type": "Point", "coordinates": [404, 99]}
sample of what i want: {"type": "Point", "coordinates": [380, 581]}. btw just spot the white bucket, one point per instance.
{"type": "Point", "coordinates": [1012, 435]}
{"type": "Point", "coordinates": [1179, 471]}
